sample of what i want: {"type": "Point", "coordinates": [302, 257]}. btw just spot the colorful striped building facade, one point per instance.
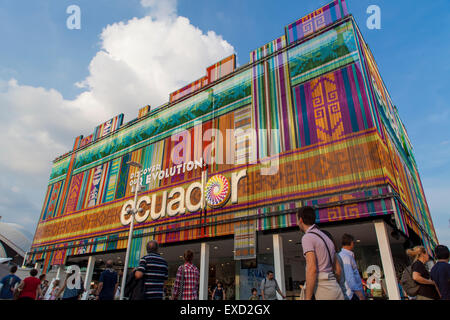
{"type": "Point", "coordinates": [326, 134]}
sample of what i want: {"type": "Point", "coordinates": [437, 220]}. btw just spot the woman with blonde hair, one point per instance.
{"type": "Point", "coordinates": [427, 287]}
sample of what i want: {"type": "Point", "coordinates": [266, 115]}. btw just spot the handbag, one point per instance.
{"type": "Point", "coordinates": [328, 249]}
{"type": "Point", "coordinates": [134, 288]}
{"type": "Point", "coordinates": [180, 291]}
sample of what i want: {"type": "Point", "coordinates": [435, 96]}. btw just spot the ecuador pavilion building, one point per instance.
{"type": "Point", "coordinates": [226, 162]}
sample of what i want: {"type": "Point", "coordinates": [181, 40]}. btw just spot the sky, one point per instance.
{"type": "Point", "coordinates": [57, 83]}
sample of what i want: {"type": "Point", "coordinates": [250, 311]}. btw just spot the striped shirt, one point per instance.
{"type": "Point", "coordinates": [191, 282]}
{"type": "Point", "coordinates": [155, 271]}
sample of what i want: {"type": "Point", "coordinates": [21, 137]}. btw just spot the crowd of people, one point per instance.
{"type": "Point", "coordinates": [330, 275]}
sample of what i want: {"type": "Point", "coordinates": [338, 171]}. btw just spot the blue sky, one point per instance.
{"type": "Point", "coordinates": [46, 60]}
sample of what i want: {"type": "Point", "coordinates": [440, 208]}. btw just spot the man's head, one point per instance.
{"type": "Point", "coordinates": [152, 246]}
{"type": "Point", "coordinates": [33, 272]}
{"type": "Point", "coordinates": [188, 256]}
{"type": "Point", "coordinates": [270, 275]}
{"type": "Point", "coordinates": [13, 269]}
{"type": "Point", "coordinates": [109, 264]}
{"type": "Point", "coordinates": [306, 217]}
{"type": "Point", "coordinates": [348, 241]}
{"type": "Point", "coordinates": [441, 252]}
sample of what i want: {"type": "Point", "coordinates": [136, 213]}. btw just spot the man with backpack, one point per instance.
{"type": "Point", "coordinates": [269, 287]}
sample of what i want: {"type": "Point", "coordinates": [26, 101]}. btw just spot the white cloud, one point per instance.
{"type": "Point", "coordinates": [160, 9]}
{"type": "Point", "coordinates": [143, 60]}
{"type": "Point", "coordinates": [140, 62]}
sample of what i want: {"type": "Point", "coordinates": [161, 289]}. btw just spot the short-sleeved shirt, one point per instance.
{"type": "Point", "coordinates": [109, 279]}
{"type": "Point", "coordinates": [30, 287]}
{"type": "Point", "coordinates": [270, 288]}
{"type": "Point", "coordinates": [426, 290]}
{"type": "Point", "coordinates": [9, 283]}
{"type": "Point", "coordinates": [441, 275]}
{"type": "Point", "coordinates": [155, 270]}
{"type": "Point", "coordinates": [312, 242]}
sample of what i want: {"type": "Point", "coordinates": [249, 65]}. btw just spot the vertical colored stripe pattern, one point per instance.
{"type": "Point", "coordinates": [316, 20]}
{"type": "Point", "coordinates": [331, 106]}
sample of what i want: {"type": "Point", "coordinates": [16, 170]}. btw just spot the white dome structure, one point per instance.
{"type": "Point", "coordinates": [15, 237]}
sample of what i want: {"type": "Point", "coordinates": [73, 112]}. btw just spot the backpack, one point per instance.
{"type": "Point", "coordinates": [409, 285]}
{"type": "Point", "coordinates": [134, 288]}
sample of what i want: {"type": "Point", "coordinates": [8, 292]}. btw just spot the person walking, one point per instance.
{"type": "Point", "coordinates": [269, 287]}
{"type": "Point", "coordinates": [43, 285]}
{"type": "Point", "coordinates": [322, 267]}
{"type": "Point", "coordinates": [219, 292]}
{"type": "Point", "coordinates": [29, 288]}
{"type": "Point", "coordinates": [187, 281]}
{"type": "Point", "coordinates": [353, 283]}
{"type": "Point", "coordinates": [108, 283]}
{"type": "Point", "coordinates": [154, 270]}
{"type": "Point", "coordinates": [54, 290]}
{"type": "Point", "coordinates": [440, 273]}
{"type": "Point", "coordinates": [9, 283]}
{"type": "Point", "coordinates": [70, 292]}
{"type": "Point", "coordinates": [427, 287]}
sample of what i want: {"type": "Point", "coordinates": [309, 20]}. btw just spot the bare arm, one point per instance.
{"type": "Point", "coordinates": [437, 289]}
{"type": "Point", "coordinates": [21, 285]}
{"type": "Point", "coordinates": [100, 287]}
{"type": "Point", "coordinates": [62, 288]}
{"type": "Point", "coordinates": [281, 293]}
{"type": "Point", "coordinates": [337, 268]}
{"type": "Point", "coordinates": [116, 286]}
{"type": "Point", "coordinates": [418, 278]}
{"type": "Point", "coordinates": [311, 274]}
{"type": "Point", "coordinates": [38, 292]}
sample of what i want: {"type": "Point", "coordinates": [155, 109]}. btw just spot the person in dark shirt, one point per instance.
{"type": "Point", "coordinates": [154, 269]}
{"type": "Point", "coordinates": [9, 282]}
{"type": "Point", "coordinates": [440, 273]}
{"type": "Point", "coordinates": [108, 283]}
{"type": "Point", "coordinates": [219, 292]}
{"type": "Point", "coordinates": [427, 287]}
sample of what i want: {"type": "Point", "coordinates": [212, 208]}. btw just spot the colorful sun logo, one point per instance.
{"type": "Point", "coordinates": [217, 191]}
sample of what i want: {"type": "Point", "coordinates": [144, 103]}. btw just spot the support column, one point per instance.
{"type": "Point", "coordinates": [237, 285]}
{"type": "Point", "coordinates": [387, 260]}
{"type": "Point", "coordinates": [38, 266]}
{"type": "Point", "coordinates": [278, 259]}
{"type": "Point", "coordinates": [59, 272]}
{"type": "Point", "coordinates": [24, 259]}
{"type": "Point", "coordinates": [89, 273]}
{"type": "Point", "coordinates": [204, 271]}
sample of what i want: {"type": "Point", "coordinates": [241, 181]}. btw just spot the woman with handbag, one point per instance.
{"type": "Point", "coordinates": [427, 287]}
{"type": "Point", "coordinates": [187, 280]}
